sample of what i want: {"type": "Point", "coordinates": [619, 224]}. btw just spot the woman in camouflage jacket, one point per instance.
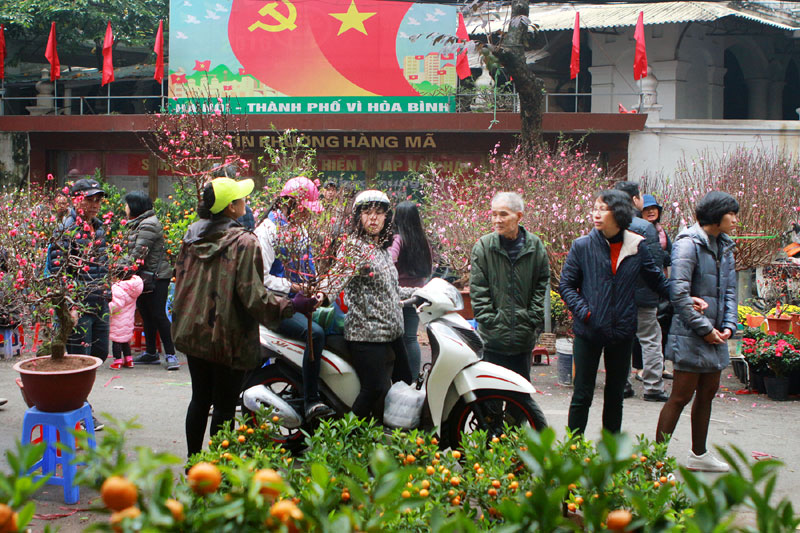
{"type": "Point", "coordinates": [220, 300]}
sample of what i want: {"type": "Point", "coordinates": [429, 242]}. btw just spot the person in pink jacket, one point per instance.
{"type": "Point", "coordinates": [123, 308]}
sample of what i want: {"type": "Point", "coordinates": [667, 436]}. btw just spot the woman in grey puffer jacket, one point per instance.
{"type": "Point", "coordinates": [702, 266]}
{"type": "Point", "coordinates": [146, 247]}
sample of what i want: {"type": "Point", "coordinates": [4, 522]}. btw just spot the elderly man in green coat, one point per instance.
{"type": "Point", "coordinates": [508, 283]}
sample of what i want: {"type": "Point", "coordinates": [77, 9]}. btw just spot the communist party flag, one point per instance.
{"type": "Point", "coordinates": [159, 50]}
{"type": "Point", "coordinates": [640, 58]}
{"type": "Point", "coordinates": [355, 33]}
{"type": "Point", "coordinates": [2, 52]}
{"type": "Point", "coordinates": [321, 48]}
{"type": "Point", "coordinates": [108, 61]}
{"type": "Point", "coordinates": [51, 53]}
{"type": "Point", "coordinates": [575, 59]}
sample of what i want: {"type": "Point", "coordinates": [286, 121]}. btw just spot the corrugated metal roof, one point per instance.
{"type": "Point", "coordinates": [562, 17]}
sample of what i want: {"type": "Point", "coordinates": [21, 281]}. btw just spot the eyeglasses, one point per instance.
{"type": "Point", "coordinates": [601, 210]}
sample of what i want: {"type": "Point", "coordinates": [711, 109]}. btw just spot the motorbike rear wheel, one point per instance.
{"type": "Point", "coordinates": [496, 407]}
{"type": "Point", "coordinates": [289, 390]}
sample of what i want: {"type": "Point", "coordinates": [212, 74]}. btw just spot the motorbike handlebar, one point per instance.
{"type": "Point", "coordinates": [414, 301]}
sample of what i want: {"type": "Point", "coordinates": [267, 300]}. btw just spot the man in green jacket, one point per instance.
{"type": "Point", "coordinates": [508, 282]}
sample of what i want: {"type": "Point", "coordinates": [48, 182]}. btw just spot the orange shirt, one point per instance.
{"type": "Point", "coordinates": [615, 248]}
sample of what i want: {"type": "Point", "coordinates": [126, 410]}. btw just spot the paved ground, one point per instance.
{"type": "Point", "coordinates": [159, 399]}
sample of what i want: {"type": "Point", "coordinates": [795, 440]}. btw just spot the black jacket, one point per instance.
{"type": "Point", "coordinates": [588, 285]}
{"type": "Point", "coordinates": [73, 245]}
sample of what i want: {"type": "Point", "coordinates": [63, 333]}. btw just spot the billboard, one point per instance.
{"type": "Point", "coordinates": [313, 56]}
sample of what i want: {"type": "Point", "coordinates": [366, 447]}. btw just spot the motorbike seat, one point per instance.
{"type": "Point", "coordinates": [338, 345]}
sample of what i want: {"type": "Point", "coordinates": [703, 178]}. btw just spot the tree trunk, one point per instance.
{"type": "Point", "coordinates": [65, 325]}
{"type": "Point", "coordinates": [511, 54]}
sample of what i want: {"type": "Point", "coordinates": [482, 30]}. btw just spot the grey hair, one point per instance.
{"type": "Point", "coordinates": [511, 200]}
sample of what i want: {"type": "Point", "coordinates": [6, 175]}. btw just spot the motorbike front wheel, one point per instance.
{"type": "Point", "coordinates": [289, 390]}
{"type": "Point", "coordinates": [489, 412]}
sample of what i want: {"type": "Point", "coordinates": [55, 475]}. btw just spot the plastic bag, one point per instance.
{"type": "Point", "coordinates": [403, 406]}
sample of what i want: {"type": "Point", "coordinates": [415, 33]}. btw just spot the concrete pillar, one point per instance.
{"type": "Point", "coordinates": [67, 101]}
{"type": "Point", "coordinates": [716, 88]}
{"type": "Point", "coordinates": [757, 97]}
{"type": "Point", "coordinates": [775, 100]}
{"type": "Point", "coordinates": [603, 89]}
{"type": "Point", "coordinates": [669, 74]}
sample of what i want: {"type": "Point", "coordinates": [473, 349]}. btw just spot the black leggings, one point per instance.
{"type": "Point", "coordinates": [120, 349]}
{"type": "Point", "coordinates": [212, 384]}
{"type": "Point", "coordinates": [377, 365]}
{"type": "Point", "coordinates": [153, 308]}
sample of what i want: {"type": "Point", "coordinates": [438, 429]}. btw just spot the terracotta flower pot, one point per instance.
{"type": "Point", "coordinates": [779, 324]}
{"type": "Point", "coordinates": [56, 391]}
{"type": "Point", "coordinates": [467, 311]}
{"type": "Point", "coordinates": [796, 325]}
{"type": "Point", "coordinates": [754, 321]}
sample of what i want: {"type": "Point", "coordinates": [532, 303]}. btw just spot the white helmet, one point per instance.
{"type": "Point", "coordinates": [371, 196]}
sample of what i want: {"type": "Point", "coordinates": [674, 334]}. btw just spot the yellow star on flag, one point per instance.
{"type": "Point", "coordinates": [352, 19]}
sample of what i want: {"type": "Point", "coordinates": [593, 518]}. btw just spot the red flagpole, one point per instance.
{"type": "Point", "coordinates": [575, 59]}
{"type": "Point", "coordinates": [51, 53]}
{"type": "Point", "coordinates": [2, 52]}
{"type": "Point", "coordinates": [640, 58]}
{"type": "Point", "coordinates": [108, 58]}
{"type": "Point", "coordinates": [158, 48]}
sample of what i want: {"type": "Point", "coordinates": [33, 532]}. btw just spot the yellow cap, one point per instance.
{"type": "Point", "coordinates": [227, 190]}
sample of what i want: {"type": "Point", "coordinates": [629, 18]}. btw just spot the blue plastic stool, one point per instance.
{"type": "Point", "coordinates": [55, 427]}
{"type": "Point", "coordinates": [10, 340]}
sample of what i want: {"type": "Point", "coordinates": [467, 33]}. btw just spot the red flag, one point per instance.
{"type": "Point", "coordinates": [575, 60]}
{"type": "Point", "coordinates": [2, 52]}
{"type": "Point", "coordinates": [108, 61]}
{"type": "Point", "coordinates": [159, 50]}
{"type": "Point", "coordinates": [461, 32]}
{"type": "Point", "coordinates": [202, 66]}
{"type": "Point", "coordinates": [640, 59]}
{"type": "Point", "coordinates": [462, 66]}
{"type": "Point", "coordinates": [328, 39]}
{"type": "Point", "coordinates": [51, 53]}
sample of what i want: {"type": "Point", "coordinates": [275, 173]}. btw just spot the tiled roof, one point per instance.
{"type": "Point", "coordinates": [549, 17]}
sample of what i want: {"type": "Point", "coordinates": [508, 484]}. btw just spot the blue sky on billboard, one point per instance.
{"type": "Point", "coordinates": [199, 28]}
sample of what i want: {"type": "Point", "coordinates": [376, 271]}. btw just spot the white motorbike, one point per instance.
{"type": "Point", "coordinates": [462, 392]}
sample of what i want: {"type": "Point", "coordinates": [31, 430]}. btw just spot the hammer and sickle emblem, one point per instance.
{"type": "Point", "coordinates": [284, 22]}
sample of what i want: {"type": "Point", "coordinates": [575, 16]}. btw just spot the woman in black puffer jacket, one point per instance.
{"type": "Point", "coordinates": [147, 249]}
{"type": "Point", "coordinates": [598, 282]}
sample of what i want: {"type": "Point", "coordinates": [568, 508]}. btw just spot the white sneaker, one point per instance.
{"type": "Point", "coordinates": [706, 463]}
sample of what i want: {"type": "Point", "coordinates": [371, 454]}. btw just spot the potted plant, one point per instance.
{"type": "Point", "coordinates": [778, 321]}
{"type": "Point", "coordinates": [49, 295]}
{"type": "Point", "coordinates": [782, 359]}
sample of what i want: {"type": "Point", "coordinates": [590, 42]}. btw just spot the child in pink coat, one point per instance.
{"type": "Point", "coordinates": [123, 308]}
